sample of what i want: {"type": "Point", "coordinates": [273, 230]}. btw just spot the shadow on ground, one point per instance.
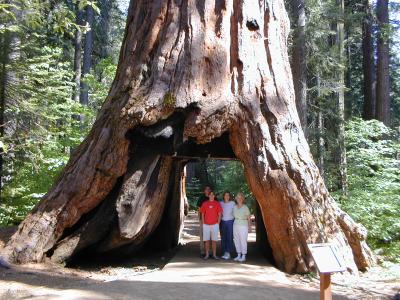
{"type": "Point", "coordinates": [184, 276]}
{"type": "Point", "coordinates": [60, 287]}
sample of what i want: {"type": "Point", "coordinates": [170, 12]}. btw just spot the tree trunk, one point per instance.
{"type": "Point", "coordinates": [341, 104]}
{"type": "Point", "coordinates": [10, 54]}
{"type": "Point", "coordinates": [320, 132]}
{"type": "Point", "coordinates": [193, 73]}
{"type": "Point", "coordinates": [382, 69]}
{"type": "Point", "coordinates": [169, 231]}
{"type": "Point", "coordinates": [299, 63]}
{"type": "Point", "coordinates": [368, 64]}
{"type": "Point", "coordinates": [78, 55]}
{"type": "Point", "coordinates": [261, 235]}
{"type": "Point", "coordinates": [87, 55]}
{"type": "Point", "coordinates": [106, 7]}
{"type": "Point", "coordinates": [3, 83]}
{"type": "Point", "coordinates": [141, 201]}
{"type": "Point", "coordinates": [201, 173]}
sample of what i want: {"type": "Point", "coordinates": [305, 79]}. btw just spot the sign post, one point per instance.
{"type": "Point", "coordinates": [325, 292]}
{"type": "Point", "coordinates": [328, 260]}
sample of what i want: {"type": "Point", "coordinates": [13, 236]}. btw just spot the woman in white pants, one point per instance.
{"type": "Point", "coordinates": [241, 227]}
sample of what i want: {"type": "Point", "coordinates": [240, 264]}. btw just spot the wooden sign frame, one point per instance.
{"type": "Point", "coordinates": [328, 259]}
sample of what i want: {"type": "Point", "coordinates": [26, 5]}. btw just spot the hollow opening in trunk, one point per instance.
{"type": "Point", "coordinates": [226, 175]}
{"type": "Point", "coordinates": [193, 166]}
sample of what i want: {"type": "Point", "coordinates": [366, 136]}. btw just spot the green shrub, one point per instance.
{"type": "Point", "coordinates": [373, 155]}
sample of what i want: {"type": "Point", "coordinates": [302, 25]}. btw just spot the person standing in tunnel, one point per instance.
{"type": "Point", "coordinates": [211, 212]}
{"type": "Point", "coordinates": [226, 226]}
{"type": "Point", "coordinates": [202, 198]}
{"type": "Point", "coordinates": [241, 227]}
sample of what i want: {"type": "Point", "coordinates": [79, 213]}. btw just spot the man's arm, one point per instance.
{"type": "Point", "coordinates": [219, 217]}
{"type": "Point", "coordinates": [199, 210]}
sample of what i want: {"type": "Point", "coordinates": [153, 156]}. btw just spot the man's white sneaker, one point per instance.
{"type": "Point", "coordinates": [226, 256]}
{"type": "Point", "coordinates": [242, 259]}
{"type": "Point", "coordinates": [237, 258]}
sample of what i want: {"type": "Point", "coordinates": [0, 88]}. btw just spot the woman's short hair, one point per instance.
{"type": "Point", "coordinates": [241, 195]}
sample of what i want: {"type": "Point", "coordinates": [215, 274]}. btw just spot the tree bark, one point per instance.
{"type": "Point", "coordinates": [169, 231]}
{"type": "Point", "coordinates": [10, 54]}
{"type": "Point", "coordinates": [382, 69]}
{"type": "Point", "coordinates": [78, 54]}
{"type": "Point", "coordinates": [299, 61]}
{"type": "Point", "coordinates": [87, 55]}
{"type": "Point", "coordinates": [3, 83]}
{"type": "Point", "coordinates": [89, 232]}
{"type": "Point", "coordinates": [5, 41]}
{"type": "Point", "coordinates": [192, 72]}
{"type": "Point", "coordinates": [141, 201]}
{"type": "Point", "coordinates": [368, 64]}
{"type": "Point", "coordinates": [320, 132]}
{"type": "Point", "coordinates": [341, 100]}
{"type": "Point", "coordinates": [106, 7]}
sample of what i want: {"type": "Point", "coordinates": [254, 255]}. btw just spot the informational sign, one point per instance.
{"type": "Point", "coordinates": [327, 258]}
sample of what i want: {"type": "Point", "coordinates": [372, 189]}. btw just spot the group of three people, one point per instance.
{"type": "Point", "coordinates": [231, 219]}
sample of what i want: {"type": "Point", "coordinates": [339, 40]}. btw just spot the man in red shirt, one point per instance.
{"type": "Point", "coordinates": [211, 212]}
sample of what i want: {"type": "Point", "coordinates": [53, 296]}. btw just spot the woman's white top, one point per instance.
{"type": "Point", "coordinates": [227, 210]}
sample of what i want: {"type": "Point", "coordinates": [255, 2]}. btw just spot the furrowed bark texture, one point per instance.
{"type": "Point", "coordinates": [368, 63]}
{"type": "Point", "coordinates": [192, 72]}
{"type": "Point", "coordinates": [382, 66]}
{"type": "Point", "coordinates": [141, 201]}
{"type": "Point", "coordinates": [299, 63]}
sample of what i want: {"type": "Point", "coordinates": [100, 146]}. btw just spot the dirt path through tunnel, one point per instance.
{"type": "Point", "coordinates": [185, 276]}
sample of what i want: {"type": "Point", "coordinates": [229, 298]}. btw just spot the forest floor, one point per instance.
{"type": "Point", "coordinates": [182, 274]}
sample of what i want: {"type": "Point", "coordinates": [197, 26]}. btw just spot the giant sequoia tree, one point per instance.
{"type": "Point", "coordinates": [194, 78]}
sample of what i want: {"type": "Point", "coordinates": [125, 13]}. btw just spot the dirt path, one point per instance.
{"type": "Point", "coordinates": [186, 276]}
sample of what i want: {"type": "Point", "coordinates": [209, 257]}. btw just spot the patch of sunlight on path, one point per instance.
{"type": "Point", "coordinates": [213, 279]}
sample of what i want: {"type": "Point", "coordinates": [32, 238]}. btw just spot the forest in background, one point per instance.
{"type": "Point", "coordinates": [58, 59]}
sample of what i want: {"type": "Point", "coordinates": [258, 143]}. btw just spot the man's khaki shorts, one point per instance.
{"type": "Point", "coordinates": [210, 232]}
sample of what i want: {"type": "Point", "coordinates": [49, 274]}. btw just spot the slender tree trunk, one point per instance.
{"type": "Point", "coordinates": [196, 72]}
{"type": "Point", "coordinates": [10, 54]}
{"type": "Point", "coordinates": [78, 55]}
{"type": "Point", "coordinates": [341, 100]}
{"type": "Point", "coordinates": [382, 70]}
{"type": "Point", "coordinates": [299, 63]}
{"type": "Point", "coordinates": [190, 172]}
{"type": "Point", "coordinates": [201, 172]}
{"type": "Point", "coordinates": [320, 131]}
{"type": "Point", "coordinates": [368, 64]}
{"type": "Point", "coordinates": [5, 41]}
{"type": "Point", "coordinates": [87, 55]}
{"type": "Point", "coordinates": [348, 104]}
{"type": "Point", "coordinates": [105, 13]}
